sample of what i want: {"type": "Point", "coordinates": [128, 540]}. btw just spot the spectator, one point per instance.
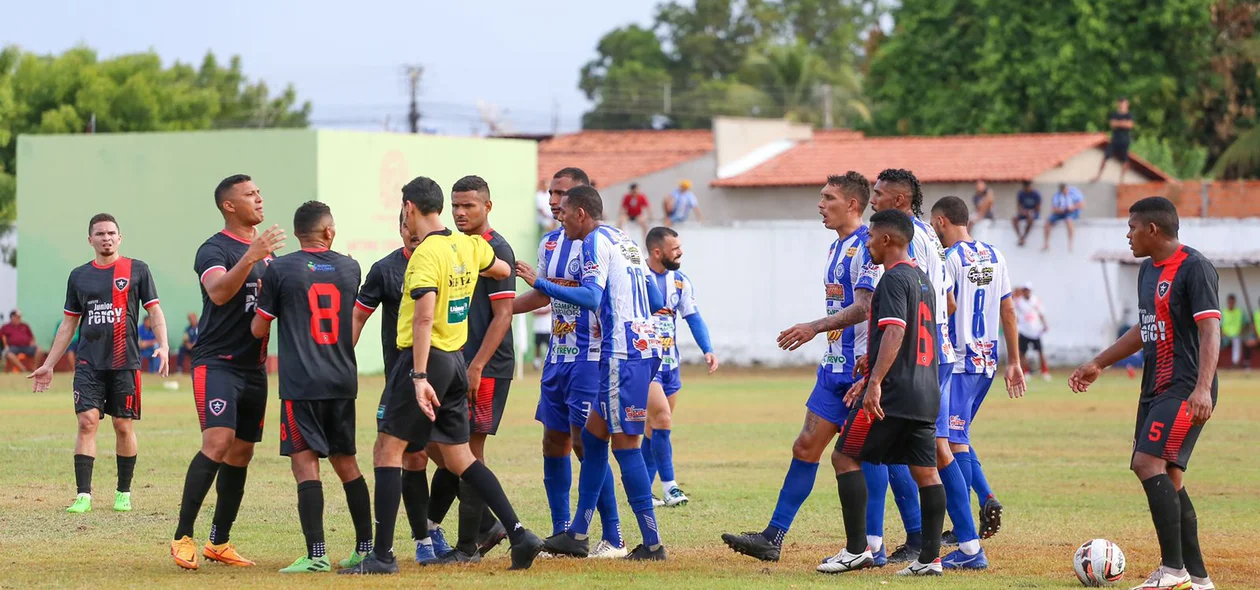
{"type": "Point", "coordinates": [983, 201]}
{"type": "Point", "coordinates": [542, 208]}
{"type": "Point", "coordinates": [634, 207]}
{"type": "Point", "coordinates": [1065, 206]}
{"type": "Point", "coordinates": [73, 348]}
{"type": "Point", "coordinates": [185, 347]}
{"type": "Point", "coordinates": [1121, 122]}
{"type": "Point", "coordinates": [680, 204]}
{"type": "Point", "coordinates": [1253, 335]}
{"type": "Point", "coordinates": [1232, 324]}
{"type": "Point", "coordinates": [1032, 325]}
{"type": "Point", "coordinates": [1028, 210]}
{"type": "Point", "coordinates": [148, 343]}
{"type": "Point", "coordinates": [542, 335]}
{"type": "Point", "coordinates": [18, 341]}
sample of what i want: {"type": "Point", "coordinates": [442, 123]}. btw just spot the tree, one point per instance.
{"type": "Point", "coordinates": [626, 80]}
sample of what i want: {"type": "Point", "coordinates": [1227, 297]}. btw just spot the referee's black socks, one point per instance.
{"type": "Point", "coordinates": [487, 486]}
{"type": "Point", "coordinates": [388, 496]}
{"type": "Point", "coordinates": [197, 484]}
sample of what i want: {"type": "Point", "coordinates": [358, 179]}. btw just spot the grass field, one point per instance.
{"type": "Point", "coordinates": [1058, 462]}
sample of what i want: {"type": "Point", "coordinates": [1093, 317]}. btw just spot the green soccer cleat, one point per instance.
{"type": "Point", "coordinates": [82, 504]}
{"type": "Point", "coordinates": [308, 565]}
{"type": "Point", "coordinates": [122, 501]}
{"type": "Point", "coordinates": [355, 559]}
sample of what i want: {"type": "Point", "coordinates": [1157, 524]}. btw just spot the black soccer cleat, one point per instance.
{"type": "Point", "coordinates": [457, 556]}
{"type": "Point", "coordinates": [524, 551]}
{"type": "Point", "coordinates": [565, 544]}
{"type": "Point", "coordinates": [642, 553]}
{"type": "Point", "coordinates": [949, 538]}
{"type": "Point", "coordinates": [904, 554]}
{"type": "Point", "coordinates": [752, 544]}
{"type": "Point", "coordinates": [371, 565]}
{"type": "Point", "coordinates": [990, 518]}
{"type": "Point", "coordinates": [491, 538]}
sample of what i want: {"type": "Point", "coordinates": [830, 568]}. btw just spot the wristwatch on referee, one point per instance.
{"type": "Point", "coordinates": [418, 376]}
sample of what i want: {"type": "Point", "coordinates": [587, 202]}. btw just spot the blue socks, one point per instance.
{"type": "Point", "coordinates": [978, 482]}
{"type": "Point", "coordinates": [797, 485]}
{"type": "Point", "coordinates": [557, 480]}
{"type": "Point", "coordinates": [876, 497]}
{"type": "Point", "coordinates": [649, 458]}
{"type": "Point", "coordinates": [594, 471]}
{"type": "Point", "coordinates": [664, 451]}
{"type": "Point", "coordinates": [906, 495]}
{"type": "Point", "coordinates": [607, 505]}
{"type": "Point", "coordinates": [958, 502]}
{"type": "Point", "coordinates": [638, 491]}
{"type": "Point", "coordinates": [967, 466]}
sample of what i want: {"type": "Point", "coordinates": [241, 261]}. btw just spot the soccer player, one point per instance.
{"type": "Point", "coordinates": [491, 364]}
{"type": "Point", "coordinates": [311, 292]}
{"type": "Point", "coordinates": [1179, 334]}
{"type": "Point", "coordinates": [229, 369]}
{"type": "Point", "coordinates": [983, 286]}
{"type": "Point", "coordinates": [382, 288]}
{"type": "Point", "coordinates": [895, 405]}
{"type": "Point", "coordinates": [427, 397]}
{"type": "Point", "coordinates": [615, 284]}
{"type": "Point", "coordinates": [849, 280]}
{"type": "Point", "coordinates": [109, 290]}
{"type": "Point", "coordinates": [570, 377]}
{"type": "Point", "coordinates": [664, 252]}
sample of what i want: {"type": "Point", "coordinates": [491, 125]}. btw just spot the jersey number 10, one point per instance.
{"type": "Point", "coordinates": [639, 288]}
{"type": "Point", "coordinates": [325, 301]}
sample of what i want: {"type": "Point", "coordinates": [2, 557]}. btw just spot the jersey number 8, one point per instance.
{"type": "Point", "coordinates": [324, 300]}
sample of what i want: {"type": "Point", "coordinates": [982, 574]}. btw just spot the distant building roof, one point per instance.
{"type": "Point", "coordinates": [957, 158]}
{"type": "Point", "coordinates": [611, 157]}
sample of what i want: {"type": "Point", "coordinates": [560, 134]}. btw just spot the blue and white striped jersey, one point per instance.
{"type": "Point", "coordinates": [929, 256]}
{"type": "Point", "coordinates": [574, 331]}
{"type": "Point", "coordinates": [613, 262]}
{"type": "Point", "coordinates": [849, 268]}
{"type": "Point", "coordinates": [680, 300]}
{"type": "Point", "coordinates": [981, 283]}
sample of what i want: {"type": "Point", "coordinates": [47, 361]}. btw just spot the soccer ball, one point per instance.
{"type": "Point", "coordinates": [1098, 563]}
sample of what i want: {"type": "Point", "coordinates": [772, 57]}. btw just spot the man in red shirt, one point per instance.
{"type": "Point", "coordinates": [18, 339]}
{"type": "Point", "coordinates": [634, 207]}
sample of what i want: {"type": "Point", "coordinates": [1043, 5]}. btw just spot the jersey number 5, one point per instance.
{"type": "Point", "coordinates": [324, 300]}
{"type": "Point", "coordinates": [926, 346]}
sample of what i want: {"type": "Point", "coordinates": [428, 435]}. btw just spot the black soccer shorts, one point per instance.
{"type": "Point", "coordinates": [325, 426]}
{"type": "Point", "coordinates": [1026, 344]}
{"type": "Point", "coordinates": [116, 393]}
{"type": "Point", "coordinates": [400, 414]}
{"type": "Point", "coordinates": [487, 412]}
{"type": "Point", "coordinates": [891, 441]}
{"type": "Point", "coordinates": [231, 397]}
{"type": "Point", "coordinates": [1165, 429]}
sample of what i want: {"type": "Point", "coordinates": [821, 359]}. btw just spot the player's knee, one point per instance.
{"type": "Point", "coordinates": [417, 461]}
{"type": "Point", "coordinates": [943, 455]}
{"type": "Point", "coordinates": [239, 453]}
{"type": "Point", "coordinates": [346, 466]}
{"type": "Point", "coordinates": [843, 463]}
{"type": "Point", "coordinates": [558, 444]}
{"type": "Point", "coordinates": [806, 449]}
{"type": "Point", "coordinates": [88, 422]}
{"type": "Point", "coordinates": [1147, 466]}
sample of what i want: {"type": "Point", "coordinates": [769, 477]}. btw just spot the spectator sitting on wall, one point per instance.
{"type": "Point", "coordinates": [983, 203]}
{"type": "Point", "coordinates": [1065, 206]}
{"type": "Point", "coordinates": [18, 342]}
{"type": "Point", "coordinates": [1233, 323]}
{"type": "Point", "coordinates": [186, 346]}
{"type": "Point", "coordinates": [1028, 210]}
{"type": "Point", "coordinates": [680, 204]}
{"type": "Point", "coordinates": [1121, 122]}
{"type": "Point", "coordinates": [634, 207]}
{"type": "Point", "coordinates": [148, 343]}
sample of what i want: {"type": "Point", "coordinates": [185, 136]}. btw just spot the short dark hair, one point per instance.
{"type": "Point", "coordinates": [99, 217]}
{"type": "Point", "coordinates": [577, 175]}
{"type": "Point", "coordinates": [854, 185]}
{"type": "Point", "coordinates": [953, 209]}
{"type": "Point", "coordinates": [1231, 296]}
{"type": "Point", "coordinates": [657, 235]}
{"type": "Point", "coordinates": [634, 185]}
{"type": "Point", "coordinates": [909, 182]}
{"type": "Point", "coordinates": [424, 193]}
{"type": "Point", "coordinates": [225, 185]}
{"type": "Point", "coordinates": [472, 183]}
{"type": "Point", "coordinates": [1160, 211]}
{"type": "Point", "coordinates": [895, 222]}
{"type": "Point", "coordinates": [309, 216]}
{"type": "Point", "coordinates": [1027, 184]}
{"type": "Point", "coordinates": [586, 198]}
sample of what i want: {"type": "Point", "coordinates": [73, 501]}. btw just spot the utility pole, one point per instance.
{"type": "Point", "coordinates": [828, 122]}
{"type": "Point", "coordinates": [413, 81]}
{"type": "Point", "coordinates": [555, 115]}
{"type": "Point", "coordinates": [667, 97]}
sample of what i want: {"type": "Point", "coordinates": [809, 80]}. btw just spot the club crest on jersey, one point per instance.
{"type": "Point", "coordinates": [575, 267]}
{"type": "Point", "coordinates": [121, 283]}
{"type": "Point", "coordinates": [1162, 288]}
{"type": "Point", "coordinates": [217, 406]}
{"type": "Point", "coordinates": [550, 246]}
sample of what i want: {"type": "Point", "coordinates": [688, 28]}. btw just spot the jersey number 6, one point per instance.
{"type": "Point", "coordinates": [926, 345]}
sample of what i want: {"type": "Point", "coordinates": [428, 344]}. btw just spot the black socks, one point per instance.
{"type": "Point", "coordinates": [932, 500]}
{"type": "Point", "coordinates": [83, 473]}
{"type": "Point", "coordinates": [852, 487]}
{"type": "Point", "coordinates": [197, 483]}
{"type": "Point", "coordinates": [1165, 505]}
{"type": "Point", "coordinates": [360, 503]}
{"type": "Point", "coordinates": [415, 496]}
{"type": "Point", "coordinates": [388, 496]}
{"type": "Point", "coordinates": [231, 489]}
{"type": "Point", "coordinates": [126, 469]}
{"type": "Point", "coordinates": [471, 508]}
{"type": "Point", "coordinates": [487, 486]}
{"type": "Point", "coordinates": [311, 515]}
{"type": "Point", "coordinates": [442, 494]}
{"type": "Point", "coordinates": [1190, 537]}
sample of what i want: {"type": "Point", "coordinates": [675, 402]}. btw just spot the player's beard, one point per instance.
{"type": "Point", "coordinates": [671, 264]}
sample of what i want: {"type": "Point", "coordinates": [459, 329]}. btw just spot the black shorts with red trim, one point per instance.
{"type": "Point", "coordinates": [325, 426]}
{"type": "Point", "coordinates": [891, 441]}
{"type": "Point", "coordinates": [486, 413]}
{"type": "Point", "coordinates": [116, 393]}
{"type": "Point", "coordinates": [1165, 429]}
{"type": "Point", "coordinates": [231, 397]}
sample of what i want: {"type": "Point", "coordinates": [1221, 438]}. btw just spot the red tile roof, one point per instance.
{"type": "Point", "coordinates": [957, 158]}
{"type": "Point", "coordinates": [611, 157]}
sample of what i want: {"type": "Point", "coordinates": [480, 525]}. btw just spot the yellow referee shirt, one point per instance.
{"type": "Point", "coordinates": [448, 264]}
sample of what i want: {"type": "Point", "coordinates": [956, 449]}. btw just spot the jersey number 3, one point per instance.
{"type": "Point", "coordinates": [324, 300]}
{"type": "Point", "coordinates": [926, 346]}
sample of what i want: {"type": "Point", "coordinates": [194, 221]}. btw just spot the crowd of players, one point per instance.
{"type": "Point", "coordinates": [914, 311]}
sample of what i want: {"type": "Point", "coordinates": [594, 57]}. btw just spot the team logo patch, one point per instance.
{"type": "Point", "coordinates": [634, 414]}
{"type": "Point", "coordinates": [549, 246]}
{"type": "Point", "coordinates": [575, 267]}
{"type": "Point", "coordinates": [851, 252]}
{"type": "Point", "coordinates": [121, 283]}
{"type": "Point", "coordinates": [956, 422]}
{"type": "Point", "coordinates": [217, 406]}
{"type": "Point", "coordinates": [76, 396]}
{"type": "Point", "coordinates": [1162, 288]}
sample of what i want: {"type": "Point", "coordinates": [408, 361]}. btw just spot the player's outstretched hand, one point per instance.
{"type": "Point", "coordinates": [43, 378]}
{"type": "Point", "coordinates": [859, 367]}
{"type": "Point", "coordinates": [1200, 409]}
{"type": "Point", "coordinates": [1015, 384]}
{"type": "Point", "coordinates": [1083, 376]}
{"type": "Point", "coordinates": [164, 362]}
{"type": "Point", "coordinates": [792, 338]}
{"type": "Point", "coordinates": [427, 398]}
{"type": "Point", "coordinates": [855, 392]}
{"type": "Point", "coordinates": [712, 361]}
{"type": "Point", "coordinates": [871, 403]}
{"type": "Point", "coordinates": [525, 272]}
{"type": "Point", "coordinates": [267, 242]}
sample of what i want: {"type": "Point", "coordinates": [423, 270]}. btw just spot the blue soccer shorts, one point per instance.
{"type": "Point", "coordinates": [944, 376]}
{"type": "Point", "coordinates": [827, 399]}
{"type": "Point", "coordinates": [966, 392]}
{"type": "Point", "coordinates": [670, 378]}
{"type": "Point", "coordinates": [568, 391]}
{"type": "Point", "coordinates": [623, 393]}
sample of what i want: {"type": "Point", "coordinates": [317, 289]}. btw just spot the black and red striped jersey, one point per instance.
{"type": "Point", "coordinates": [1173, 295]}
{"type": "Point", "coordinates": [905, 297]}
{"type": "Point", "coordinates": [503, 362]}
{"type": "Point", "coordinates": [223, 333]}
{"type": "Point", "coordinates": [383, 288]}
{"type": "Point", "coordinates": [107, 301]}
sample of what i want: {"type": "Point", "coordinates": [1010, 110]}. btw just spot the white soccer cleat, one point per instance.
{"type": "Point", "coordinates": [657, 502]}
{"type": "Point", "coordinates": [846, 562]}
{"type": "Point", "coordinates": [1045, 377]}
{"type": "Point", "coordinates": [606, 550]}
{"type": "Point", "coordinates": [675, 497]}
{"type": "Point", "coordinates": [1201, 583]}
{"type": "Point", "coordinates": [1165, 579]}
{"type": "Point", "coordinates": [923, 569]}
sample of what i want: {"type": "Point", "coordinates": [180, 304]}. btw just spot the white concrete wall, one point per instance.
{"type": "Point", "coordinates": [8, 282]}
{"type": "Point", "coordinates": [756, 279]}
{"type": "Point", "coordinates": [658, 185]}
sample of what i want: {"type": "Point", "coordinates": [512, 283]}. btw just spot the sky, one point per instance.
{"type": "Point", "coordinates": [347, 58]}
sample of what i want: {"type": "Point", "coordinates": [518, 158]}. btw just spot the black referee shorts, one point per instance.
{"type": "Point", "coordinates": [400, 415]}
